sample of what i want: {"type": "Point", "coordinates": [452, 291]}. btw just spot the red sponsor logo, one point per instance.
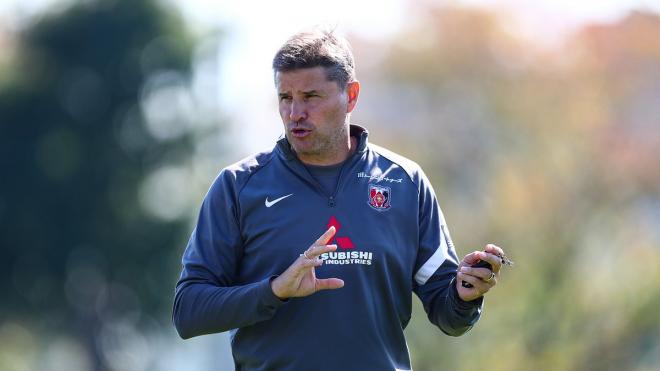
{"type": "Point", "coordinates": [342, 242]}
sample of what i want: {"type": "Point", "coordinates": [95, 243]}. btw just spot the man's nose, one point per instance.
{"type": "Point", "coordinates": [298, 112]}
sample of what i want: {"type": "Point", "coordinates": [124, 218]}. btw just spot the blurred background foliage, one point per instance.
{"type": "Point", "coordinates": [96, 132]}
{"type": "Point", "coordinates": [108, 141]}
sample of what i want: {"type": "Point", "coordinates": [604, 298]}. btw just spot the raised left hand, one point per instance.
{"type": "Point", "coordinates": [482, 279]}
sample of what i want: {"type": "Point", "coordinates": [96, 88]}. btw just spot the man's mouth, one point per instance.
{"type": "Point", "coordinates": [300, 132]}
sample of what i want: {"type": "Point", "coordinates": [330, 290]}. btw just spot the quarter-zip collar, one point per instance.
{"type": "Point", "coordinates": [360, 133]}
{"type": "Point", "coordinates": [297, 166]}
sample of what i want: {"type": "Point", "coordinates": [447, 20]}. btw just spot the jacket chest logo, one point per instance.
{"type": "Point", "coordinates": [342, 242]}
{"type": "Point", "coordinates": [380, 197]}
{"type": "Point", "coordinates": [348, 253]}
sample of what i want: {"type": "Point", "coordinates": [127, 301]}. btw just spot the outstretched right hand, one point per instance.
{"type": "Point", "coordinates": [300, 279]}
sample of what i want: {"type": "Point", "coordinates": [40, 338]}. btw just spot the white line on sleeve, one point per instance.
{"type": "Point", "coordinates": [435, 261]}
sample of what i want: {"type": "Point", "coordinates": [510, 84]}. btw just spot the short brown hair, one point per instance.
{"type": "Point", "coordinates": [315, 48]}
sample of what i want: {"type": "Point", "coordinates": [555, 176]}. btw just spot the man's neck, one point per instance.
{"type": "Point", "coordinates": [322, 161]}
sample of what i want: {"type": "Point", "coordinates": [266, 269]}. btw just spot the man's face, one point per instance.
{"type": "Point", "coordinates": [314, 110]}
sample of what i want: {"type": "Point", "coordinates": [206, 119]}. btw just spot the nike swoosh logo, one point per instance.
{"type": "Point", "coordinates": [271, 203]}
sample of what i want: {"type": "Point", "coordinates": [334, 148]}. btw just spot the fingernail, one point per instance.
{"type": "Point", "coordinates": [465, 269]}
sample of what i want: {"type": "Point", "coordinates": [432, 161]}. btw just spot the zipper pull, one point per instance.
{"type": "Point", "coordinates": [331, 201]}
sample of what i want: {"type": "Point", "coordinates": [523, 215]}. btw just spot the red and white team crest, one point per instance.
{"type": "Point", "coordinates": [379, 197]}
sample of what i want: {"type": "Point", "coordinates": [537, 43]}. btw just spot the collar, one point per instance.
{"type": "Point", "coordinates": [357, 131]}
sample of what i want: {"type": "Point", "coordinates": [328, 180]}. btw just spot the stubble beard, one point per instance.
{"type": "Point", "coordinates": [323, 147]}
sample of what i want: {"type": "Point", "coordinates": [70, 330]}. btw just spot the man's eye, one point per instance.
{"type": "Point", "coordinates": [284, 98]}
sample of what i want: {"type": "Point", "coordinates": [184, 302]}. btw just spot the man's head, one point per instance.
{"type": "Point", "coordinates": [317, 49]}
{"type": "Point", "coordinates": [317, 90]}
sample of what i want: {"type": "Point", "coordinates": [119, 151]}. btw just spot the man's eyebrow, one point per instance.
{"type": "Point", "coordinates": [307, 92]}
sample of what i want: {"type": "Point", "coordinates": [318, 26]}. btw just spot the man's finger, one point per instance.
{"type": "Point", "coordinates": [315, 251]}
{"type": "Point", "coordinates": [494, 260]}
{"type": "Point", "coordinates": [326, 236]}
{"type": "Point", "coordinates": [477, 283]}
{"type": "Point", "coordinates": [309, 263]}
{"type": "Point", "coordinates": [492, 282]}
{"type": "Point", "coordinates": [329, 284]}
{"type": "Point", "coordinates": [483, 273]}
{"type": "Point", "coordinates": [494, 249]}
{"type": "Point", "coordinates": [473, 257]}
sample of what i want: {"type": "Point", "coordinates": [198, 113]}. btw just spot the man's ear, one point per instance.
{"type": "Point", "coordinates": [353, 91]}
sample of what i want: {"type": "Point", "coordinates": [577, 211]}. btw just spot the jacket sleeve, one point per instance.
{"type": "Point", "coordinates": [206, 298]}
{"type": "Point", "coordinates": [435, 269]}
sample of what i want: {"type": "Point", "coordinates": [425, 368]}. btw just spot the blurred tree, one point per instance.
{"type": "Point", "coordinates": [78, 249]}
{"type": "Point", "coordinates": [553, 155]}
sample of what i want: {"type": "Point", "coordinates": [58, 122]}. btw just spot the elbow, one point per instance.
{"type": "Point", "coordinates": [182, 328]}
{"type": "Point", "coordinates": [449, 328]}
{"type": "Point", "coordinates": [456, 332]}
{"type": "Point", "coordinates": [183, 334]}
{"type": "Point", "coordinates": [180, 321]}
{"type": "Point", "coordinates": [456, 326]}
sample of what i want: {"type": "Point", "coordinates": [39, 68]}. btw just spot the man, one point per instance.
{"type": "Point", "coordinates": [255, 264]}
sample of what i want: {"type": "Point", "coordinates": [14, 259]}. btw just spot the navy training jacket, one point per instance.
{"type": "Point", "coordinates": [262, 212]}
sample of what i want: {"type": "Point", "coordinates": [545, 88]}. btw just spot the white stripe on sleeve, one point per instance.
{"type": "Point", "coordinates": [435, 261]}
